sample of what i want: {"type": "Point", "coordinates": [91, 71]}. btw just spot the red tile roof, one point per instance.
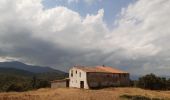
{"type": "Point", "coordinates": [102, 69]}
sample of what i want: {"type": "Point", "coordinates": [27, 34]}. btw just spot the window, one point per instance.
{"type": "Point", "coordinates": [119, 75]}
{"type": "Point", "coordinates": [108, 75]}
{"type": "Point", "coordinates": [71, 73]}
{"type": "Point", "coordinates": [115, 75]}
{"type": "Point", "coordinates": [76, 71]}
{"type": "Point", "coordinates": [80, 74]}
{"type": "Point", "coordinates": [124, 75]}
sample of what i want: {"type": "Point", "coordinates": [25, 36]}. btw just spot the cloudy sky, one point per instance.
{"type": "Point", "coordinates": [128, 34]}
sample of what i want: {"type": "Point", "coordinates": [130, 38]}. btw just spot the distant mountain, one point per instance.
{"type": "Point", "coordinates": [30, 68]}
{"type": "Point", "coordinates": [18, 72]}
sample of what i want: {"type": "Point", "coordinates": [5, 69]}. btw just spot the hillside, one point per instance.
{"type": "Point", "coordinates": [30, 68]}
{"type": "Point", "coordinates": [13, 71]}
{"type": "Point", "coordinates": [23, 70]}
{"type": "Point", "coordinates": [24, 80]}
{"type": "Point", "coordinates": [8, 72]}
{"type": "Point", "coordinates": [80, 94]}
{"type": "Point", "coordinates": [17, 76]}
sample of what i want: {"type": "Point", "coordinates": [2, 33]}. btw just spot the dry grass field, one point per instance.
{"type": "Point", "coordinates": [80, 94]}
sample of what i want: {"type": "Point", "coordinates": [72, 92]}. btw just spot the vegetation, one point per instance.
{"type": "Point", "coordinates": [19, 80]}
{"type": "Point", "coordinates": [153, 82]}
{"type": "Point", "coordinates": [138, 97]}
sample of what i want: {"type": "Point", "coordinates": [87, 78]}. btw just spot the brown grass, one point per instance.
{"type": "Point", "coordinates": [80, 94]}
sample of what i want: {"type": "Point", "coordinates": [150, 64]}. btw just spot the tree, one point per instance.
{"type": "Point", "coordinates": [152, 82]}
{"type": "Point", "coordinates": [33, 82]}
{"type": "Point", "coordinates": [168, 84]}
{"type": "Point", "coordinates": [43, 84]}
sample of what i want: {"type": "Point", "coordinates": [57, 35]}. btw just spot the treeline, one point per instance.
{"type": "Point", "coordinates": [12, 82]}
{"type": "Point", "coordinates": [152, 82]}
{"type": "Point", "coordinates": [17, 83]}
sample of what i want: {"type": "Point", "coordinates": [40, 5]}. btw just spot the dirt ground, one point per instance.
{"type": "Point", "coordinates": [80, 94]}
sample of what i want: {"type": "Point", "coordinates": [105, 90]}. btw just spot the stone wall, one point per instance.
{"type": "Point", "coordinates": [58, 84]}
{"type": "Point", "coordinates": [99, 80]}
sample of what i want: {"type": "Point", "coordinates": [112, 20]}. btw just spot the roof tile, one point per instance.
{"type": "Point", "coordinates": [102, 69]}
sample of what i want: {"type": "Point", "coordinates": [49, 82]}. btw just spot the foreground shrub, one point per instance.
{"type": "Point", "coordinates": [138, 97]}
{"type": "Point", "coordinates": [15, 87]}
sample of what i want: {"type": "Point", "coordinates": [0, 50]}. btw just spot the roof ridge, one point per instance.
{"type": "Point", "coordinates": [104, 69]}
{"type": "Point", "coordinates": [111, 69]}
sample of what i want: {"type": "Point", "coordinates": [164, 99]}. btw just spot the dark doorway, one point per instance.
{"type": "Point", "coordinates": [67, 83]}
{"type": "Point", "coordinates": [81, 84]}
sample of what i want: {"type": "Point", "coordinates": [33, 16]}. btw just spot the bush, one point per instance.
{"type": "Point", "coordinates": [152, 82]}
{"type": "Point", "coordinates": [15, 87]}
{"type": "Point", "coordinates": [138, 97]}
{"type": "Point", "coordinates": [168, 84]}
{"type": "Point", "coordinates": [43, 84]}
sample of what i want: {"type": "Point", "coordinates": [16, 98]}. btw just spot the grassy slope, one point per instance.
{"type": "Point", "coordinates": [78, 94]}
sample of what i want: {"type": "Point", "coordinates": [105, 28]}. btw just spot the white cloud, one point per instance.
{"type": "Point", "coordinates": [143, 32]}
{"type": "Point", "coordinates": [70, 1]}
{"type": "Point", "coordinates": [86, 1]}
{"type": "Point", "coordinates": [26, 26]}
{"type": "Point", "coordinates": [62, 37]}
{"type": "Point", "coordinates": [90, 1]}
{"type": "Point", "coordinates": [6, 59]}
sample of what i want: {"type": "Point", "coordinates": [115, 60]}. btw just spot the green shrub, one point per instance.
{"type": "Point", "coordinates": [138, 97]}
{"type": "Point", "coordinates": [15, 87]}
{"type": "Point", "coordinates": [152, 82]}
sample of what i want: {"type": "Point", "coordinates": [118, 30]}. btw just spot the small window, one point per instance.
{"type": "Point", "coordinates": [119, 75]}
{"type": "Point", "coordinates": [124, 75]}
{"type": "Point", "coordinates": [80, 74]}
{"type": "Point", "coordinates": [113, 75]}
{"type": "Point", "coordinates": [76, 71]}
{"type": "Point", "coordinates": [71, 73]}
{"type": "Point", "coordinates": [108, 75]}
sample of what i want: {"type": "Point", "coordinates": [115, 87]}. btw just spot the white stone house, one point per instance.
{"type": "Point", "coordinates": [97, 77]}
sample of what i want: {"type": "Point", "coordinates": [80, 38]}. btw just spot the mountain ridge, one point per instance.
{"type": "Point", "coordinates": [30, 68]}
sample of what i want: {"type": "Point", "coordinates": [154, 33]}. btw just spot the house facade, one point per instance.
{"type": "Point", "coordinates": [97, 77]}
